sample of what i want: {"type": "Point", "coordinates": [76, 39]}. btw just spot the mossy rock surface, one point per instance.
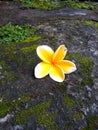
{"type": "Point", "coordinates": [43, 103]}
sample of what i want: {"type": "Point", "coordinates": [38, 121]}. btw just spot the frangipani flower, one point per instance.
{"type": "Point", "coordinates": [53, 63]}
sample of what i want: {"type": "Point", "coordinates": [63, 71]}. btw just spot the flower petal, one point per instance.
{"type": "Point", "coordinates": [42, 69]}
{"type": "Point", "coordinates": [60, 53]}
{"type": "Point", "coordinates": [45, 53]}
{"type": "Point", "coordinates": [57, 73]}
{"type": "Point", "coordinates": [67, 66]}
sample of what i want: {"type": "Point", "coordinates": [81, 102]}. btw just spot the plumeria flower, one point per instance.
{"type": "Point", "coordinates": [53, 63]}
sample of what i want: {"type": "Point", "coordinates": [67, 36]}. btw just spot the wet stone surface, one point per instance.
{"type": "Point", "coordinates": [15, 14]}
{"type": "Point", "coordinates": [43, 104]}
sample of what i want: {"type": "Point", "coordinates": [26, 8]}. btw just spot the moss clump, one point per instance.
{"type": "Point", "coordinates": [8, 76]}
{"type": "Point", "coordinates": [32, 39]}
{"type": "Point", "coordinates": [62, 86]}
{"type": "Point", "coordinates": [7, 51]}
{"type": "Point", "coordinates": [87, 81]}
{"type": "Point", "coordinates": [86, 64]}
{"type": "Point", "coordinates": [8, 107]}
{"type": "Point", "coordinates": [91, 23]}
{"type": "Point", "coordinates": [92, 123]}
{"type": "Point", "coordinates": [68, 101]}
{"type": "Point", "coordinates": [24, 98]}
{"type": "Point", "coordinates": [5, 107]}
{"type": "Point", "coordinates": [20, 102]}
{"type": "Point", "coordinates": [69, 125]}
{"type": "Point", "coordinates": [77, 115]}
{"type": "Point", "coordinates": [43, 117]}
{"type": "Point", "coordinates": [29, 48]}
{"type": "Point", "coordinates": [2, 81]}
{"type": "Point", "coordinates": [85, 67]}
{"type": "Point", "coordinates": [3, 63]}
{"type": "Point", "coordinates": [46, 119]}
{"type": "Point", "coordinates": [26, 54]}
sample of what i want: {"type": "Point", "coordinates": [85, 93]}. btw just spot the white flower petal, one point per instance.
{"type": "Point", "coordinates": [45, 53]}
{"type": "Point", "coordinates": [67, 66]}
{"type": "Point", "coordinates": [42, 69]}
{"type": "Point", "coordinates": [57, 73]}
{"type": "Point", "coordinates": [59, 53]}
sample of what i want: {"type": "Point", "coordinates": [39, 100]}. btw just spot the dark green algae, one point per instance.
{"type": "Point", "coordinates": [14, 56]}
{"type": "Point", "coordinates": [92, 123]}
{"type": "Point", "coordinates": [40, 111]}
{"type": "Point", "coordinates": [84, 68]}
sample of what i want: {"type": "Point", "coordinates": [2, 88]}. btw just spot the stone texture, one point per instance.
{"type": "Point", "coordinates": [43, 104]}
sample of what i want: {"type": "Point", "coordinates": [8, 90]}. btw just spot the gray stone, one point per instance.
{"type": "Point", "coordinates": [0, 67]}
{"type": "Point", "coordinates": [72, 101]}
{"type": "Point", "coordinates": [95, 86]}
{"type": "Point", "coordinates": [6, 118]}
{"type": "Point", "coordinates": [96, 97]}
{"type": "Point", "coordinates": [18, 127]}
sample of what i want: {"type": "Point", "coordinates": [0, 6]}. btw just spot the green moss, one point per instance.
{"type": "Point", "coordinates": [92, 123]}
{"type": "Point", "coordinates": [5, 108]}
{"type": "Point", "coordinates": [9, 75]}
{"type": "Point", "coordinates": [29, 48]}
{"type": "Point", "coordinates": [32, 39]}
{"type": "Point", "coordinates": [3, 63]}
{"type": "Point", "coordinates": [43, 117]}
{"type": "Point", "coordinates": [2, 81]}
{"type": "Point", "coordinates": [62, 84]}
{"type": "Point", "coordinates": [18, 103]}
{"type": "Point", "coordinates": [76, 82]}
{"type": "Point", "coordinates": [8, 107]}
{"type": "Point", "coordinates": [46, 119]}
{"type": "Point", "coordinates": [8, 52]}
{"type": "Point", "coordinates": [87, 80]}
{"type": "Point", "coordinates": [13, 57]}
{"type": "Point", "coordinates": [96, 24]}
{"type": "Point", "coordinates": [23, 116]}
{"type": "Point", "coordinates": [91, 23]}
{"type": "Point", "coordinates": [86, 63]}
{"type": "Point", "coordinates": [12, 78]}
{"type": "Point", "coordinates": [68, 101]}
{"type": "Point", "coordinates": [69, 125]}
{"type": "Point", "coordinates": [77, 115]}
{"type": "Point", "coordinates": [85, 67]}
{"type": "Point", "coordinates": [24, 98]}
